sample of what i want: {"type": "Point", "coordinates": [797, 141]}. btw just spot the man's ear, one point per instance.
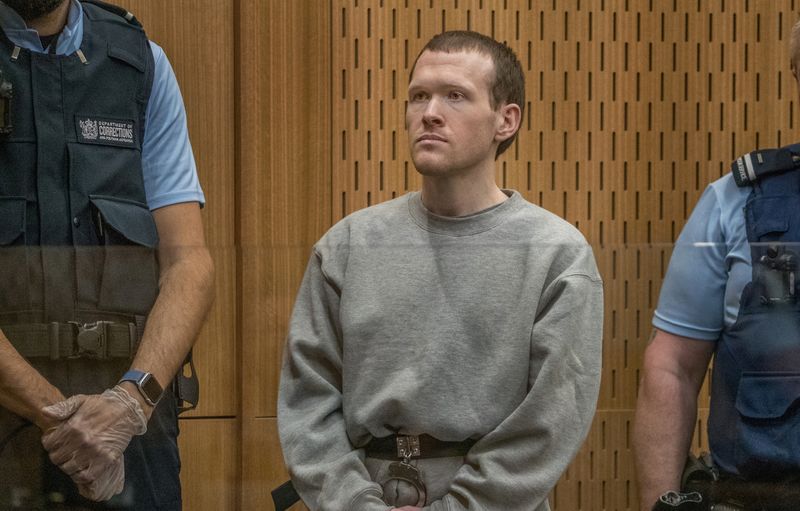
{"type": "Point", "coordinates": [509, 119]}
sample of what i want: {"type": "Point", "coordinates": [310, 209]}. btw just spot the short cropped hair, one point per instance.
{"type": "Point", "coordinates": [509, 82]}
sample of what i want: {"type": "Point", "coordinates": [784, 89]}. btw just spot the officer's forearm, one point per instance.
{"type": "Point", "coordinates": [23, 390]}
{"type": "Point", "coordinates": [674, 368]}
{"type": "Point", "coordinates": [665, 418]}
{"type": "Point", "coordinates": [186, 294]}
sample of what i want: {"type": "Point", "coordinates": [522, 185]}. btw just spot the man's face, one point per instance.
{"type": "Point", "coordinates": [32, 9]}
{"type": "Point", "coordinates": [452, 127]}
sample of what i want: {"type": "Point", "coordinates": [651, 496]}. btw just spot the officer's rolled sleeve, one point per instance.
{"type": "Point", "coordinates": [692, 297]}
{"type": "Point", "coordinates": [168, 164]}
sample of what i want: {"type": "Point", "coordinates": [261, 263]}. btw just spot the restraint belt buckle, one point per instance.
{"type": "Point", "coordinates": [407, 446]}
{"type": "Point", "coordinates": [91, 340]}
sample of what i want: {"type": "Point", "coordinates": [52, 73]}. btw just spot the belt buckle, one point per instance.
{"type": "Point", "coordinates": [90, 340]}
{"type": "Point", "coordinates": [407, 446]}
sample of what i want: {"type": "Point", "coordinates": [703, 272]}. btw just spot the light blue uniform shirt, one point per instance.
{"type": "Point", "coordinates": [168, 166]}
{"type": "Point", "coordinates": [710, 266]}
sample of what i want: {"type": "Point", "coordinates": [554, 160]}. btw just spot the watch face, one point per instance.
{"type": "Point", "coordinates": [151, 388]}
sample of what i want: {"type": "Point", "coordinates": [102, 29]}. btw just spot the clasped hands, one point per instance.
{"type": "Point", "coordinates": [89, 441]}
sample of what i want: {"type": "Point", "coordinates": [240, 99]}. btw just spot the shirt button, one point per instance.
{"type": "Point", "coordinates": [76, 222]}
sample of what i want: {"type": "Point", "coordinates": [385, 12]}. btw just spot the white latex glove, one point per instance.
{"type": "Point", "coordinates": [88, 444]}
{"type": "Point", "coordinates": [107, 485]}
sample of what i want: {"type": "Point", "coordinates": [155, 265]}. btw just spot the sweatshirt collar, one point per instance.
{"type": "Point", "coordinates": [464, 225]}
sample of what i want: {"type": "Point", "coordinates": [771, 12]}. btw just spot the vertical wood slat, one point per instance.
{"type": "Point", "coordinates": [210, 469]}
{"type": "Point", "coordinates": [262, 476]}
{"type": "Point", "coordinates": [284, 156]}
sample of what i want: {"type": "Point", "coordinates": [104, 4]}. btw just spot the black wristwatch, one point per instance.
{"type": "Point", "coordinates": [147, 384]}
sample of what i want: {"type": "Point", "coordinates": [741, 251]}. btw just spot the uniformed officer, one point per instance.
{"type": "Point", "coordinates": [104, 274]}
{"type": "Point", "coordinates": [730, 291]}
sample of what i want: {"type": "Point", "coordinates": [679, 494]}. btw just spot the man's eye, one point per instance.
{"type": "Point", "coordinates": [419, 96]}
{"type": "Point", "coordinates": [455, 95]}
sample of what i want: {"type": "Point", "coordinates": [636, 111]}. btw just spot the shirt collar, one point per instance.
{"type": "Point", "coordinates": [18, 32]}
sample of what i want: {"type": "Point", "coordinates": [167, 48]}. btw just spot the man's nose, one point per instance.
{"type": "Point", "coordinates": [432, 115]}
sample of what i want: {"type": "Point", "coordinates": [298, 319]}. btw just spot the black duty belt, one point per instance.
{"type": "Point", "coordinates": [421, 446]}
{"type": "Point", "coordinates": [99, 340]}
{"type": "Point", "coordinates": [735, 494]}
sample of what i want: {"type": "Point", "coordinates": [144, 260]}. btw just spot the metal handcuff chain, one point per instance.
{"type": "Point", "coordinates": [408, 473]}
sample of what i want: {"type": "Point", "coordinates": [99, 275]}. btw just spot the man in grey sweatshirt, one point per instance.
{"type": "Point", "coordinates": [444, 350]}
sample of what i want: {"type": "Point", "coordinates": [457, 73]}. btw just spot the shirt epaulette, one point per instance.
{"type": "Point", "coordinates": [115, 9]}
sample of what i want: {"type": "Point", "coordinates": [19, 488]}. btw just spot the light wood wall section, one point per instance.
{"type": "Point", "coordinates": [283, 203]}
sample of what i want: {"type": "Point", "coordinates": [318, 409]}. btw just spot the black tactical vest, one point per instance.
{"type": "Point", "coordinates": [77, 241]}
{"type": "Point", "coordinates": [754, 421]}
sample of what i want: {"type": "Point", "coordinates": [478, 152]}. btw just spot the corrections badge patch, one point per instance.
{"type": "Point", "coordinates": [115, 132]}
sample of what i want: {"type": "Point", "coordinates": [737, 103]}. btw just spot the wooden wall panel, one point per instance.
{"type": "Point", "coordinates": [204, 67]}
{"type": "Point", "coordinates": [209, 448]}
{"type": "Point", "coordinates": [285, 160]}
{"type": "Point", "coordinates": [260, 478]}
{"type": "Point", "coordinates": [284, 206]}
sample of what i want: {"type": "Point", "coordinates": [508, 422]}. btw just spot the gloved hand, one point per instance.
{"type": "Point", "coordinates": [88, 444]}
{"type": "Point", "coordinates": [107, 485]}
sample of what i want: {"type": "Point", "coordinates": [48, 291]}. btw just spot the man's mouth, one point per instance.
{"type": "Point", "coordinates": [430, 137]}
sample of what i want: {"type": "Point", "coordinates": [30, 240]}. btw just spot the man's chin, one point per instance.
{"type": "Point", "coordinates": [428, 166]}
{"type": "Point", "coordinates": [432, 170]}
{"type": "Point", "coordinates": [32, 9]}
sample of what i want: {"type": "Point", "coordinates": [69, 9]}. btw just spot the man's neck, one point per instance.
{"type": "Point", "coordinates": [460, 196]}
{"type": "Point", "coordinates": [52, 23]}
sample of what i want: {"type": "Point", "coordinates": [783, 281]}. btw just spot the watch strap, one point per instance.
{"type": "Point", "coordinates": [147, 384]}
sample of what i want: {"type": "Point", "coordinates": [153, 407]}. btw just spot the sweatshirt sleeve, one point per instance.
{"type": "Point", "coordinates": [327, 472]}
{"type": "Point", "coordinates": [515, 466]}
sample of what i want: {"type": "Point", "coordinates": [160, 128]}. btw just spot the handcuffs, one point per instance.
{"type": "Point", "coordinates": [408, 447]}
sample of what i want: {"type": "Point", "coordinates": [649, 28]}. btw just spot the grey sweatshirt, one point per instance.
{"type": "Point", "coordinates": [486, 327]}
